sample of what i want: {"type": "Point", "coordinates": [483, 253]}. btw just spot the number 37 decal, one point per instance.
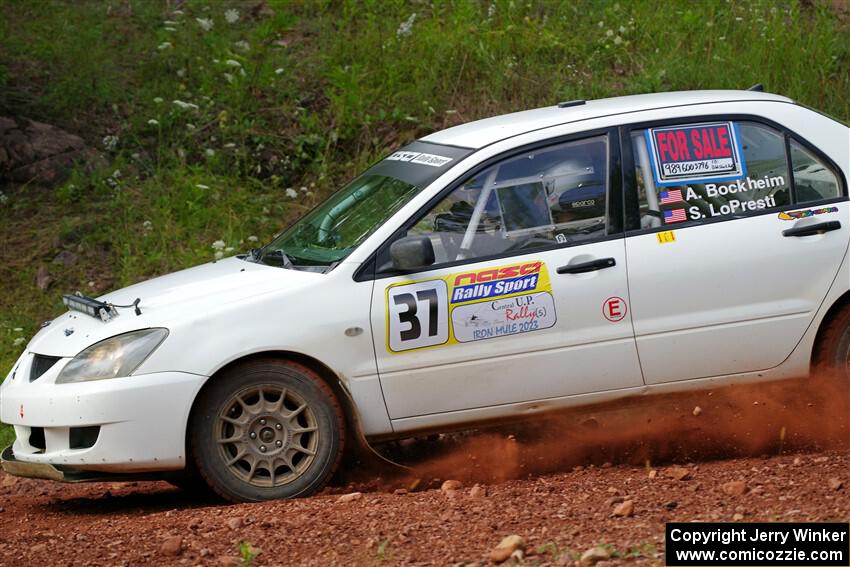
{"type": "Point", "coordinates": [418, 315]}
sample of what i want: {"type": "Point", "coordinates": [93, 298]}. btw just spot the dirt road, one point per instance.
{"type": "Point", "coordinates": [564, 489]}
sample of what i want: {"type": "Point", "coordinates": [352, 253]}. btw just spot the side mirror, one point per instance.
{"type": "Point", "coordinates": [411, 253]}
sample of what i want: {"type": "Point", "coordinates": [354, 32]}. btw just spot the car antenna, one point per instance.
{"type": "Point", "coordinates": [758, 87]}
{"type": "Point", "coordinates": [569, 103]}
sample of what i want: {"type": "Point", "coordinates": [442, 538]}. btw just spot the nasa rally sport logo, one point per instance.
{"type": "Point", "coordinates": [495, 282]}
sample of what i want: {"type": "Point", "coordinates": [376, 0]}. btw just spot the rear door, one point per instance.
{"type": "Point", "coordinates": [527, 299]}
{"type": "Point", "coordinates": [736, 235]}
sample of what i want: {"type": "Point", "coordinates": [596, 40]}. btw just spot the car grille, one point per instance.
{"type": "Point", "coordinates": [41, 364]}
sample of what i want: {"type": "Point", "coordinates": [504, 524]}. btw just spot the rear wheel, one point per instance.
{"type": "Point", "coordinates": [267, 429]}
{"type": "Point", "coordinates": [832, 352]}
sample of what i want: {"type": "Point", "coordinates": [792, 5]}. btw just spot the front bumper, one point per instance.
{"type": "Point", "coordinates": [133, 424]}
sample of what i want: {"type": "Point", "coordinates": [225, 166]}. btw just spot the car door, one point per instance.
{"type": "Point", "coordinates": [527, 296]}
{"type": "Point", "coordinates": [739, 231]}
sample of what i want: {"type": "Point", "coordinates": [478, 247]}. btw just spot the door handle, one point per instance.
{"type": "Point", "coordinates": [584, 267]}
{"type": "Point", "coordinates": [812, 229]}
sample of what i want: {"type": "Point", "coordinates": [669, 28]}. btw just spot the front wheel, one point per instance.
{"type": "Point", "coordinates": [267, 429]}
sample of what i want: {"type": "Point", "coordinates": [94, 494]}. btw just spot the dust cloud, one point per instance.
{"type": "Point", "coordinates": [730, 421]}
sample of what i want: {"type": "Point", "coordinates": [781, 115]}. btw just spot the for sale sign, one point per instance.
{"type": "Point", "coordinates": [695, 153]}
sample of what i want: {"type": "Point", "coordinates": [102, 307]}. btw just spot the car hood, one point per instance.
{"type": "Point", "coordinates": [188, 294]}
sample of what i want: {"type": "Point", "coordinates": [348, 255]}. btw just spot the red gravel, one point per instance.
{"type": "Point", "coordinates": [559, 514]}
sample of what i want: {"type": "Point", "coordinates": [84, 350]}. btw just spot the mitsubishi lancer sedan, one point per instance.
{"type": "Point", "coordinates": [496, 270]}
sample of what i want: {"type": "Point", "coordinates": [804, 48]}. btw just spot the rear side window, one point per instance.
{"type": "Point", "coordinates": [813, 179]}
{"type": "Point", "coordinates": [707, 170]}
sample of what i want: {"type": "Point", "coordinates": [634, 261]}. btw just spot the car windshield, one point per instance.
{"type": "Point", "coordinates": [333, 229]}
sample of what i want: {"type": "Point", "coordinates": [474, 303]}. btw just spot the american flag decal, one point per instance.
{"type": "Point", "coordinates": [676, 215]}
{"type": "Point", "coordinates": [672, 196]}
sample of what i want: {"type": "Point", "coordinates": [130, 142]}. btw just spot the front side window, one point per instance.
{"type": "Point", "coordinates": [707, 170]}
{"type": "Point", "coordinates": [534, 200]}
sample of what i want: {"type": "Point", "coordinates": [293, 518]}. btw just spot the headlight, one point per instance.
{"type": "Point", "coordinates": [116, 356]}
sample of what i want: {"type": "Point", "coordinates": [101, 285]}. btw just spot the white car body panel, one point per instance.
{"type": "Point", "coordinates": [221, 312]}
{"type": "Point", "coordinates": [579, 353]}
{"type": "Point", "coordinates": [746, 311]}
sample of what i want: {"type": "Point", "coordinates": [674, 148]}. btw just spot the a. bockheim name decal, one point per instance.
{"type": "Point", "coordinates": [469, 306]}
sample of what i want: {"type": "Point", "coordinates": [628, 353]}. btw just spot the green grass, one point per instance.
{"type": "Point", "coordinates": [305, 97]}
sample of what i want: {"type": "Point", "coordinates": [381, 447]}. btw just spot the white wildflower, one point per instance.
{"type": "Point", "coordinates": [190, 126]}
{"type": "Point", "coordinates": [18, 329]}
{"type": "Point", "coordinates": [181, 72]}
{"type": "Point", "coordinates": [491, 11]}
{"type": "Point", "coordinates": [622, 29]}
{"type": "Point", "coordinates": [177, 12]}
{"type": "Point", "coordinates": [228, 77]}
{"type": "Point", "coordinates": [153, 122]}
{"type": "Point", "coordinates": [218, 245]}
{"type": "Point", "coordinates": [609, 33]}
{"type": "Point", "coordinates": [229, 249]}
{"type": "Point", "coordinates": [209, 152]}
{"type": "Point", "coordinates": [19, 341]}
{"type": "Point", "coordinates": [231, 16]}
{"type": "Point", "coordinates": [218, 255]}
{"type": "Point", "coordinates": [303, 189]}
{"type": "Point", "coordinates": [110, 142]}
{"type": "Point", "coordinates": [618, 40]}
{"type": "Point", "coordinates": [3, 198]}
{"type": "Point", "coordinates": [233, 63]}
{"type": "Point", "coordinates": [202, 186]}
{"type": "Point", "coordinates": [147, 225]}
{"type": "Point", "coordinates": [171, 23]}
{"type": "Point", "coordinates": [242, 46]}
{"type": "Point", "coordinates": [406, 26]}
{"type": "Point", "coordinates": [278, 71]}
{"type": "Point", "coordinates": [158, 100]}
{"type": "Point", "coordinates": [253, 238]}
{"type": "Point", "coordinates": [185, 105]}
{"type": "Point", "coordinates": [291, 193]}
{"type": "Point", "coordinates": [171, 29]}
{"type": "Point", "coordinates": [229, 145]}
{"type": "Point", "coordinates": [164, 45]}
{"type": "Point", "coordinates": [116, 174]}
{"type": "Point", "coordinates": [205, 23]}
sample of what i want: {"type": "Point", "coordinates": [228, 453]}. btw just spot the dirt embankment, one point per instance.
{"type": "Point", "coordinates": [611, 477]}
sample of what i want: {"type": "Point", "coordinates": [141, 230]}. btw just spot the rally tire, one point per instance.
{"type": "Point", "coordinates": [267, 429]}
{"type": "Point", "coordinates": [832, 351]}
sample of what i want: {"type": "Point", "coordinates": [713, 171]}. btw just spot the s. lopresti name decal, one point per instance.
{"type": "Point", "coordinates": [695, 153]}
{"type": "Point", "coordinates": [469, 306]}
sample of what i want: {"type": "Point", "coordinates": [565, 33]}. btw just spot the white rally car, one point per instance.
{"type": "Point", "coordinates": [492, 271]}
